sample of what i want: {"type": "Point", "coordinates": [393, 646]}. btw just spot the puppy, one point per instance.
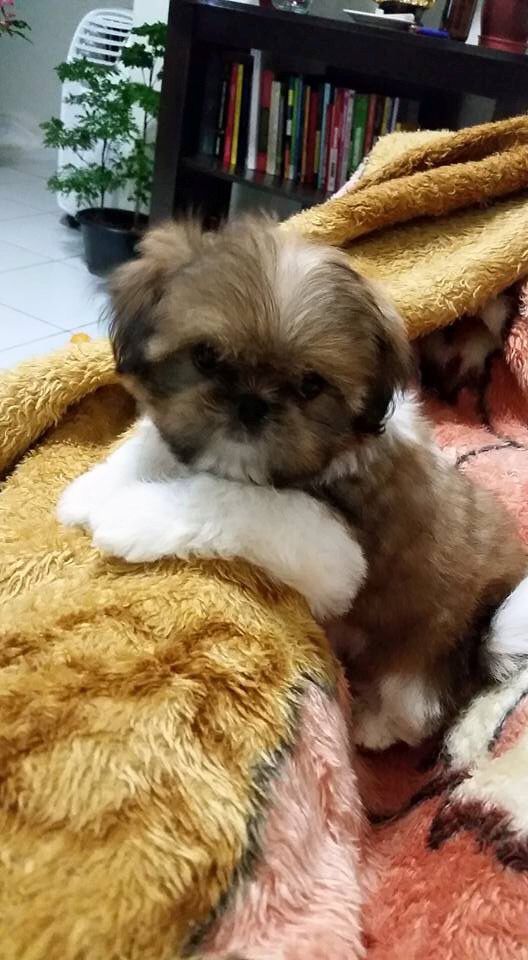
{"type": "Point", "coordinates": [274, 384]}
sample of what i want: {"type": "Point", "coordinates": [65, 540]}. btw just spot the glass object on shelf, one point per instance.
{"type": "Point", "coordinates": [295, 6]}
{"type": "Point", "coordinates": [458, 17]}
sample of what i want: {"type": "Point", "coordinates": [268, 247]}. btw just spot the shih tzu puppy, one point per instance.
{"type": "Point", "coordinates": [278, 426]}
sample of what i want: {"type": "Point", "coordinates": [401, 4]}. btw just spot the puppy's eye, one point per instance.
{"type": "Point", "coordinates": [312, 384]}
{"type": "Point", "coordinates": [205, 358]}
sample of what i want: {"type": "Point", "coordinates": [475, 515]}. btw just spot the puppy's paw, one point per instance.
{"type": "Point", "coordinates": [83, 495]}
{"type": "Point", "coordinates": [331, 586]}
{"type": "Point", "coordinates": [373, 730]}
{"type": "Point", "coordinates": [142, 524]}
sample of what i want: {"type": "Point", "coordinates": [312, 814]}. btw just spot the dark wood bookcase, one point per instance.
{"type": "Point", "coordinates": [436, 71]}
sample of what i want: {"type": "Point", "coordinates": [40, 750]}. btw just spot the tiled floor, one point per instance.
{"type": "Point", "coordinates": [46, 292]}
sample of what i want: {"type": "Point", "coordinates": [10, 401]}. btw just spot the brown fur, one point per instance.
{"type": "Point", "coordinates": [441, 555]}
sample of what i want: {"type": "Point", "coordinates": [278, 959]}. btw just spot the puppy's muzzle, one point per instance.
{"type": "Point", "coordinates": [251, 411]}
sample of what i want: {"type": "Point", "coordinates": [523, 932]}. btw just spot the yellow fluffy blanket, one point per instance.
{"type": "Point", "coordinates": [149, 714]}
{"type": "Point", "coordinates": [440, 218]}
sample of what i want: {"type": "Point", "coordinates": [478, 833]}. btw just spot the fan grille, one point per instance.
{"type": "Point", "coordinates": [101, 36]}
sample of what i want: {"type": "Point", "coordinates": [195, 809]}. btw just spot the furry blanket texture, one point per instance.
{"type": "Point", "coordinates": [175, 770]}
{"type": "Point", "coordinates": [440, 218]}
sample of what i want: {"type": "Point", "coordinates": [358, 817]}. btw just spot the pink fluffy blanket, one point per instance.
{"type": "Point", "coordinates": [443, 836]}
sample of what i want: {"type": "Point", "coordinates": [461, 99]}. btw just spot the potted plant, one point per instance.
{"type": "Point", "coordinates": [110, 140]}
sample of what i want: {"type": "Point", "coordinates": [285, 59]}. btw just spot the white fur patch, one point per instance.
{"type": "Point", "coordinates": [406, 423]}
{"type": "Point", "coordinates": [509, 633]}
{"type": "Point", "coordinates": [495, 314]}
{"type": "Point", "coordinates": [144, 456]}
{"type": "Point", "coordinates": [136, 510]}
{"type": "Point", "coordinates": [409, 711]}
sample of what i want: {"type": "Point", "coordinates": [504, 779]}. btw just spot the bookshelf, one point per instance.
{"type": "Point", "coordinates": [438, 72]}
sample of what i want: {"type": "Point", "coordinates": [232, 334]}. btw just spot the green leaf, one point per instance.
{"type": "Point", "coordinates": [113, 113]}
{"type": "Point", "coordinates": [136, 55]}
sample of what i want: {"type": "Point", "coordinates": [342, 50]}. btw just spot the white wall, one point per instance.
{"type": "Point", "coordinates": [150, 11]}
{"type": "Point", "coordinates": [29, 88]}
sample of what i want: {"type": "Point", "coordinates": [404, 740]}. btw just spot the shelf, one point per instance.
{"type": "Point", "coordinates": [430, 62]}
{"type": "Point", "coordinates": [209, 166]}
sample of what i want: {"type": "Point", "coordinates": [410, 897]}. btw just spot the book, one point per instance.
{"type": "Point", "coordinates": [394, 114]}
{"type": "Point", "coordinates": [297, 128]}
{"type": "Point", "coordinates": [318, 132]}
{"type": "Point", "coordinates": [330, 113]}
{"type": "Point", "coordinates": [230, 121]}
{"type": "Point", "coordinates": [359, 124]}
{"type": "Point", "coordinates": [326, 100]}
{"type": "Point", "coordinates": [289, 127]}
{"type": "Point", "coordinates": [334, 140]}
{"type": "Point", "coordinates": [346, 134]}
{"type": "Point", "coordinates": [265, 102]}
{"type": "Point", "coordinates": [222, 110]}
{"type": "Point", "coordinates": [245, 104]}
{"type": "Point", "coordinates": [378, 118]}
{"type": "Point", "coordinates": [311, 138]}
{"type": "Point", "coordinates": [271, 153]}
{"type": "Point", "coordinates": [281, 133]}
{"type": "Point", "coordinates": [305, 122]}
{"type": "Point", "coordinates": [209, 118]}
{"type": "Point", "coordinates": [385, 123]}
{"type": "Point", "coordinates": [236, 121]}
{"type": "Point", "coordinates": [254, 109]}
{"type": "Point", "coordinates": [371, 119]}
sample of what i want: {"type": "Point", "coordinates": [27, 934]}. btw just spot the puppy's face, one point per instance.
{"type": "Point", "coordinates": [259, 356]}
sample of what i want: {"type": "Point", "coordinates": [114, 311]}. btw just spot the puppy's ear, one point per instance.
{"type": "Point", "coordinates": [393, 364]}
{"type": "Point", "coordinates": [136, 290]}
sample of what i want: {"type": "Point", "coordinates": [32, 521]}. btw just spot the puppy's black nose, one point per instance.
{"type": "Point", "coordinates": [251, 410]}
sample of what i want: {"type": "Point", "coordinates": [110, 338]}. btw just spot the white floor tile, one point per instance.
{"type": "Point", "coordinates": [13, 257]}
{"type": "Point", "coordinates": [37, 348]}
{"type": "Point", "coordinates": [42, 233]}
{"type": "Point", "coordinates": [40, 348]}
{"type": "Point", "coordinates": [77, 262]}
{"type": "Point", "coordinates": [57, 293]}
{"type": "Point", "coordinates": [39, 163]}
{"type": "Point", "coordinates": [10, 175]}
{"type": "Point", "coordinates": [13, 209]}
{"type": "Point", "coordinates": [17, 328]}
{"type": "Point", "coordinates": [30, 192]}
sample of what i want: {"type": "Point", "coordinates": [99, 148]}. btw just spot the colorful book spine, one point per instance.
{"type": "Point", "coordinates": [394, 114]}
{"type": "Point", "coordinates": [271, 154]}
{"type": "Point", "coordinates": [254, 109]}
{"type": "Point", "coordinates": [385, 123]}
{"type": "Point", "coordinates": [378, 118]}
{"type": "Point", "coordinates": [281, 133]}
{"type": "Point", "coordinates": [297, 128]}
{"type": "Point", "coordinates": [371, 123]}
{"type": "Point", "coordinates": [222, 111]}
{"type": "Point", "coordinates": [230, 122]}
{"type": "Point", "coordinates": [245, 104]}
{"type": "Point", "coordinates": [318, 133]}
{"type": "Point", "coordinates": [311, 138]}
{"type": "Point", "coordinates": [327, 97]}
{"type": "Point", "coordinates": [289, 128]}
{"type": "Point", "coordinates": [265, 102]}
{"type": "Point", "coordinates": [305, 124]}
{"type": "Point", "coordinates": [238, 105]}
{"type": "Point", "coordinates": [361, 106]}
{"type": "Point", "coordinates": [346, 134]}
{"type": "Point", "coordinates": [334, 141]}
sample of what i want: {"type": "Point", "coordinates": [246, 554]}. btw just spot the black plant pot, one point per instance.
{"type": "Point", "coordinates": [109, 236]}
